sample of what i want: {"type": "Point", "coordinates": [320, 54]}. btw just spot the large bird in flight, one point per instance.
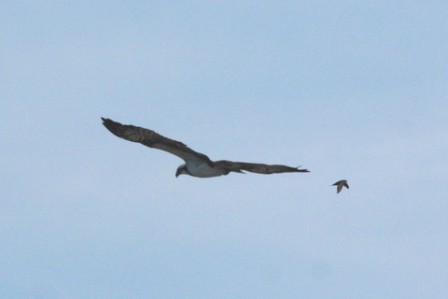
{"type": "Point", "coordinates": [196, 164]}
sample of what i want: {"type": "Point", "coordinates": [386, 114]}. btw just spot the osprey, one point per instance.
{"type": "Point", "coordinates": [196, 164]}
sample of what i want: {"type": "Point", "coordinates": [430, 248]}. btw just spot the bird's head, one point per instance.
{"type": "Point", "coordinates": [181, 170]}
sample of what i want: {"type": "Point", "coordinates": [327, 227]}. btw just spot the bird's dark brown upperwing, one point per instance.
{"type": "Point", "coordinates": [257, 167]}
{"type": "Point", "coordinates": [152, 139]}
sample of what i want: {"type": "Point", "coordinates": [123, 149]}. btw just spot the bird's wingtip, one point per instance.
{"type": "Point", "coordinates": [302, 170]}
{"type": "Point", "coordinates": [108, 121]}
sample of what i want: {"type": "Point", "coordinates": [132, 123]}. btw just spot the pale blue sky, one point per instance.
{"type": "Point", "coordinates": [354, 89]}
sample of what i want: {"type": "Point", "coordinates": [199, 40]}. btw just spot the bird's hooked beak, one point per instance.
{"type": "Point", "coordinates": [179, 171]}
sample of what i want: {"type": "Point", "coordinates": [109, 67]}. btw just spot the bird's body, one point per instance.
{"type": "Point", "coordinates": [196, 164]}
{"type": "Point", "coordinates": [201, 170]}
{"type": "Point", "coordinates": [341, 184]}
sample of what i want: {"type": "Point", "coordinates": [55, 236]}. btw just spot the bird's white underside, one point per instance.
{"type": "Point", "coordinates": [203, 170]}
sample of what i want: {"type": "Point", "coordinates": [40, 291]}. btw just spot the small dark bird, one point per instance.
{"type": "Point", "coordinates": [340, 184]}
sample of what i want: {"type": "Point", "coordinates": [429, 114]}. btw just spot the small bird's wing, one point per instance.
{"type": "Point", "coordinates": [339, 187]}
{"type": "Point", "coordinates": [154, 140]}
{"type": "Point", "coordinates": [257, 167]}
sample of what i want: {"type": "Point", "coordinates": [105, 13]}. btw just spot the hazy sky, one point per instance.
{"type": "Point", "coordinates": [353, 90]}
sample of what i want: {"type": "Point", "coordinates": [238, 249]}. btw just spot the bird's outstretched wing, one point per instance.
{"type": "Point", "coordinates": [257, 167]}
{"type": "Point", "coordinates": [154, 140]}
